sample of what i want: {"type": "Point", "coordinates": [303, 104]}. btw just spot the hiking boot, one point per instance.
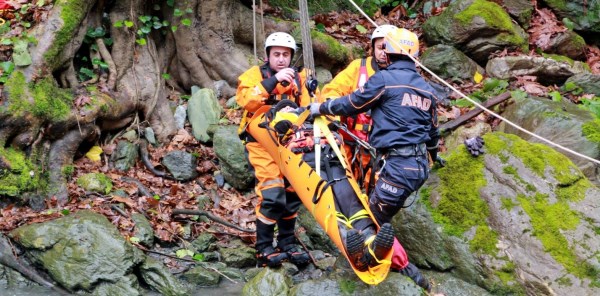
{"type": "Point", "coordinates": [296, 254]}
{"type": "Point", "coordinates": [355, 247]}
{"type": "Point", "coordinates": [270, 257]}
{"type": "Point", "coordinates": [381, 245]}
{"type": "Point", "coordinates": [415, 274]}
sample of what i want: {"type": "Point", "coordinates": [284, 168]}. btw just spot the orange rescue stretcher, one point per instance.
{"type": "Point", "coordinates": [312, 190]}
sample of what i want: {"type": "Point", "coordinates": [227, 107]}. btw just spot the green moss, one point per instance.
{"type": "Point", "coordinates": [573, 192]}
{"type": "Point", "coordinates": [507, 203]}
{"type": "Point", "coordinates": [560, 5]}
{"type": "Point", "coordinates": [484, 241]}
{"type": "Point", "coordinates": [72, 14]}
{"type": "Point", "coordinates": [96, 182]}
{"type": "Point", "coordinates": [537, 157]}
{"type": "Point", "coordinates": [507, 273]}
{"type": "Point", "coordinates": [565, 281]}
{"type": "Point", "coordinates": [591, 131]}
{"type": "Point", "coordinates": [334, 47]}
{"type": "Point", "coordinates": [347, 287]}
{"type": "Point", "coordinates": [460, 207]}
{"type": "Point", "coordinates": [495, 17]}
{"type": "Point", "coordinates": [559, 58]}
{"type": "Point", "coordinates": [548, 221]}
{"type": "Point", "coordinates": [22, 176]}
{"type": "Point", "coordinates": [16, 86]}
{"type": "Point", "coordinates": [51, 102]}
{"type": "Point", "coordinates": [490, 12]}
{"type": "Point", "coordinates": [68, 171]}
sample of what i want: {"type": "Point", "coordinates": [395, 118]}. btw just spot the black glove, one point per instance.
{"type": "Point", "coordinates": [475, 145]}
{"type": "Point", "coordinates": [440, 161]}
{"type": "Point", "coordinates": [314, 109]}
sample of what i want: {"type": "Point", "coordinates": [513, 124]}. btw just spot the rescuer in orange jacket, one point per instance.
{"type": "Point", "coordinates": [344, 83]}
{"type": "Point", "coordinates": [266, 85]}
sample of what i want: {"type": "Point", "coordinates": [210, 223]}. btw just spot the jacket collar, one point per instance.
{"type": "Point", "coordinates": [403, 65]}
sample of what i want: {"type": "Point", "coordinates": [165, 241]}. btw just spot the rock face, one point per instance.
{"type": "Point", "coordinates": [519, 219]}
{"type": "Point", "coordinates": [545, 117]}
{"type": "Point", "coordinates": [79, 250]}
{"type": "Point", "coordinates": [476, 27]}
{"type": "Point", "coordinates": [547, 70]}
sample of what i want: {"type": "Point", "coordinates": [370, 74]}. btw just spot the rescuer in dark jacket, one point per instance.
{"type": "Point", "coordinates": [403, 108]}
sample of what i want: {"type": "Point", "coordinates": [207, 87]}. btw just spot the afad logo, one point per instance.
{"type": "Point", "coordinates": [389, 188]}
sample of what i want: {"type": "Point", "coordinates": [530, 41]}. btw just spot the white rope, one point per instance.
{"type": "Point", "coordinates": [477, 104]}
{"type": "Point", "coordinates": [254, 30]}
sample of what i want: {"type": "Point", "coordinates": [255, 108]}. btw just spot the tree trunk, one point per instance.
{"type": "Point", "coordinates": [49, 110]}
{"type": "Point", "coordinates": [130, 90]}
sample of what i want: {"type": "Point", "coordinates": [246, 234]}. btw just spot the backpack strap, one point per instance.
{"type": "Point", "coordinates": [363, 74]}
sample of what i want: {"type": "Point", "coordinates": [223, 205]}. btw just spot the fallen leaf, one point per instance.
{"type": "Point", "coordinates": [94, 153]}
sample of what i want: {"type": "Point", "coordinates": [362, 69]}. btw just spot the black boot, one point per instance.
{"type": "Point", "coordinates": [415, 274]}
{"type": "Point", "coordinates": [286, 241]}
{"type": "Point", "coordinates": [355, 243]}
{"type": "Point", "coordinates": [379, 246]}
{"type": "Point", "coordinates": [266, 255]}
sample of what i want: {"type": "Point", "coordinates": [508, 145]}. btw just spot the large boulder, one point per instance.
{"type": "Point", "coordinates": [544, 117]}
{"type": "Point", "coordinates": [550, 70]}
{"type": "Point", "coordinates": [230, 151]}
{"type": "Point", "coordinates": [476, 27]}
{"type": "Point", "coordinates": [524, 213]}
{"type": "Point", "coordinates": [450, 63]}
{"type": "Point", "coordinates": [80, 250]}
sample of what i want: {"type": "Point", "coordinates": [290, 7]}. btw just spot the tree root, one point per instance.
{"type": "Point", "coordinates": [61, 155]}
{"type": "Point", "coordinates": [148, 164]}
{"type": "Point", "coordinates": [210, 216]}
{"type": "Point", "coordinates": [143, 190]}
{"type": "Point", "coordinates": [181, 259]}
{"type": "Point", "coordinates": [112, 69]}
{"type": "Point", "coordinates": [8, 258]}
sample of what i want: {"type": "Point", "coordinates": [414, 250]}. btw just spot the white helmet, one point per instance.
{"type": "Point", "coordinates": [381, 31]}
{"type": "Point", "coordinates": [280, 39]}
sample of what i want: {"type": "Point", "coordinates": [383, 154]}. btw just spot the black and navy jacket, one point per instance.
{"type": "Point", "coordinates": [402, 104]}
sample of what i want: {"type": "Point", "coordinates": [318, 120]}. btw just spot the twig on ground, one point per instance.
{"type": "Point", "coordinates": [210, 216]}
{"type": "Point", "coordinates": [182, 259]}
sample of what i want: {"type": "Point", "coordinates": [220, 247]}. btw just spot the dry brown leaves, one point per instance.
{"type": "Point", "coordinates": [544, 26]}
{"type": "Point", "coordinates": [593, 58]}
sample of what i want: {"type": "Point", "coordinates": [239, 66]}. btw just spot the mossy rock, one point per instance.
{"type": "Point", "coordinates": [95, 182]}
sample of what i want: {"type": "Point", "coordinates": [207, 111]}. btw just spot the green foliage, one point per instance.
{"type": "Point", "coordinates": [372, 6]}
{"type": "Point", "coordinates": [148, 23]}
{"type": "Point", "coordinates": [593, 105]}
{"type": "Point", "coordinates": [556, 96]}
{"type": "Point", "coordinates": [491, 88]}
{"type": "Point", "coordinates": [7, 68]}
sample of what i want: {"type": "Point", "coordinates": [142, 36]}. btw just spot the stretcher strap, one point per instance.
{"type": "Point", "coordinates": [369, 242]}
{"type": "Point", "coordinates": [362, 214]}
